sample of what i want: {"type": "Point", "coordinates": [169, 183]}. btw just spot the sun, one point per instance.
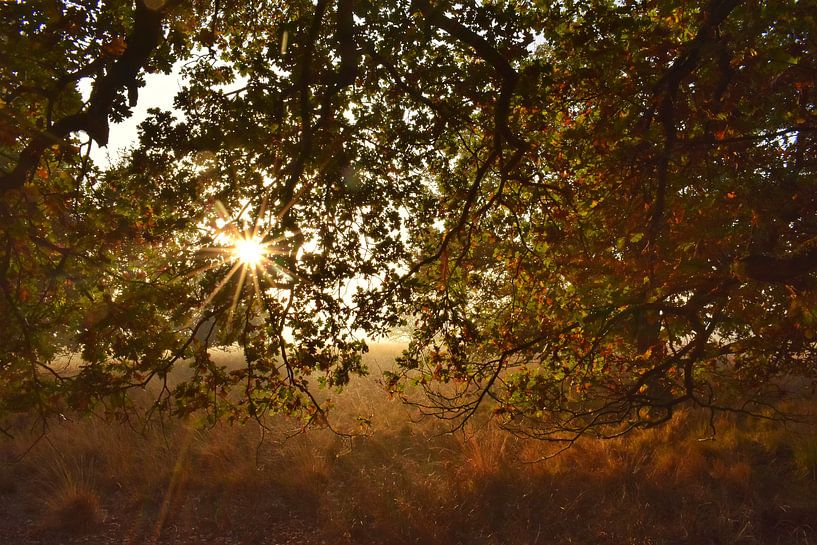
{"type": "Point", "coordinates": [250, 252]}
{"type": "Point", "coordinates": [255, 252]}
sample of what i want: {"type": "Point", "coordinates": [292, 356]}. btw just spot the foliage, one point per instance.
{"type": "Point", "coordinates": [591, 212]}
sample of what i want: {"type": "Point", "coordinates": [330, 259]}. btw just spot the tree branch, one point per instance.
{"type": "Point", "coordinates": [141, 43]}
{"type": "Point", "coordinates": [779, 269]}
{"type": "Point", "coordinates": [489, 53]}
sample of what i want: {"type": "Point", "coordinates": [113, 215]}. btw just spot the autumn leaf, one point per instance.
{"type": "Point", "coordinates": [116, 47]}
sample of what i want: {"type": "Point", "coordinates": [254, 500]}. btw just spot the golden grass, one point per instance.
{"type": "Point", "coordinates": [411, 482]}
{"type": "Point", "coordinates": [70, 499]}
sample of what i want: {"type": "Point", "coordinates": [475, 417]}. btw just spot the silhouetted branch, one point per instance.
{"type": "Point", "coordinates": [93, 120]}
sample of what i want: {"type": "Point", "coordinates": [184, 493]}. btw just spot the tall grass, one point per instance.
{"type": "Point", "coordinates": [409, 482]}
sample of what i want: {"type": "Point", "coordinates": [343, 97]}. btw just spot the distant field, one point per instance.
{"type": "Point", "coordinates": [380, 356]}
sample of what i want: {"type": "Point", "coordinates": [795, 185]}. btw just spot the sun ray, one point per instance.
{"type": "Point", "coordinates": [284, 269]}
{"type": "Point", "coordinates": [242, 277]}
{"type": "Point", "coordinates": [218, 287]}
{"type": "Point", "coordinates": [275, 282]}
{"type": "Point", "coordinates": [260, 215]}
{"type": "Point", "coordinates": [200, 270]}
{"type": "Point", "coordinates": [257, 287]}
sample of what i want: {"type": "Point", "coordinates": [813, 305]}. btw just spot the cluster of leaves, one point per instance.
{"type": "Point", "coordinates": [590, 212]}
{"type": "Point", "coordinates": [655, 247]}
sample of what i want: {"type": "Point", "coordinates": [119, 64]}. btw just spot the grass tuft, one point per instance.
{"type": "Point", "coordinates": [71, 502]}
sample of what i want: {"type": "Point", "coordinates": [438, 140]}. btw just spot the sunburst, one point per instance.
{"type": "Point", "coordinates": [251, 250]}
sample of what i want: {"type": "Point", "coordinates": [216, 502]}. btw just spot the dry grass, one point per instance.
{"type": "Point", "coordinates": [412, 483]}
{"type": "Point", "coordinates": [70, 499]}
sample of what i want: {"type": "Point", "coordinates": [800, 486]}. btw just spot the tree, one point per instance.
{"type": "Point", "coordinates": [592, 212]}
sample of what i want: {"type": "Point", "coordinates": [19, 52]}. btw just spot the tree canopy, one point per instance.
{"type": "Point", "coordinates": [588, 213]}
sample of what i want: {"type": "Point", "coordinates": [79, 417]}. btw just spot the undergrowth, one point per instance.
{"type": "Point", "coordinates": [754, 482]}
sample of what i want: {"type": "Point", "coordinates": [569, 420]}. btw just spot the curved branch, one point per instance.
{"type": "Point", "coordinates": [489, 53]}
{"type": "Point", "coordinates": [140, 45]}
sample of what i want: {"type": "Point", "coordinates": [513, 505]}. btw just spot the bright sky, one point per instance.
{"type": "Point", "coordinates": [159, 91]}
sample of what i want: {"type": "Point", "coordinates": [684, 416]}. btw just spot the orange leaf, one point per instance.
{"type": "Point", "coordinates": [115, 48]}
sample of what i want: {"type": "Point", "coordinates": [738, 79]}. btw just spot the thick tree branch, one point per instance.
{"type": "Point", "coordinates": [779, 269]}
{"type": "Point", "coordinates": [302, 84]}
{"type": "Point", "coordinates": [347, 48]}
{"type": "Point", "coordinates": [141, 43]}
{"type": "Point", "coordinates": [666, 91]}
{"type": "Point", "coordinates": [509, 77]}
